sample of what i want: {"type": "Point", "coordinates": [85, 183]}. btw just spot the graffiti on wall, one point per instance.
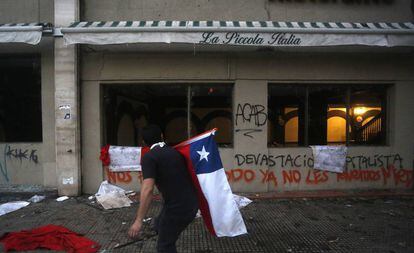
{"type": "Point", "coordinates": [288, 170]}
{"type": "Point", "coordinates": [252, 115]}
{"type": "Point", "coordinates": [303, 161]}
{"type": "Point", "coordinates": [10, 154]}
{"type": "Point", "coordinates": [390, 176]}
{"type": "Point", "coordinates": [387, 169]}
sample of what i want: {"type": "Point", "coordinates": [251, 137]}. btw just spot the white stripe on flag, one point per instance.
{"type": "Point", "coordinates": [225, 215]}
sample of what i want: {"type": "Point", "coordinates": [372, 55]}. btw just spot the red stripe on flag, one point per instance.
{"type": "Point", "coordinates": [202, 202]}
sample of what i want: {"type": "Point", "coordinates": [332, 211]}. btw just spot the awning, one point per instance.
{"type": "Point", "coordinates": [30, 33]}
{"type": "Point", "coordinates": [242, 33]}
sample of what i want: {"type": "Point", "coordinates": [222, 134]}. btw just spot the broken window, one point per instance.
{"type": "Point", "coordinates": [182, 111]}
{"type": "Point", "coordinates": [20, 99]}
{"type": "Point", "coordinates": [301, 115]}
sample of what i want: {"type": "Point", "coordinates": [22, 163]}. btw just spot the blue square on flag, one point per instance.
{"type": "Point", "coordinates": [205, 155]}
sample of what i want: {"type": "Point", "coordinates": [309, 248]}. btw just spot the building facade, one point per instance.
{"type": "Point", "coordinates": [275, 77]}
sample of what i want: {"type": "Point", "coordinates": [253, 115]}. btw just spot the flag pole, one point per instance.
{"type": "Point", "coordinates": [197, 137]}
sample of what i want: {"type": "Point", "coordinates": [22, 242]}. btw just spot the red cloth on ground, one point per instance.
{"type": "Point", "coordinates": [49, 237]}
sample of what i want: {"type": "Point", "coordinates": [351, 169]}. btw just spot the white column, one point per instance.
{"type": "Point", "coordinates": [67, 131]}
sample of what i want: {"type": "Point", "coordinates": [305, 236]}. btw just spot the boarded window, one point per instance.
{"type": "Point", "coordinates": [20, 99]}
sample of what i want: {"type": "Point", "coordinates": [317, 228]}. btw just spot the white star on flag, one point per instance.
{"type": "Point", "coordinates": [203, 154]}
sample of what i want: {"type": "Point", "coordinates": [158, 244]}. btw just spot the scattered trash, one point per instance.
{"type": "Point", "coordinates": [113, 200]}
{"type": "Point", "coordinates": [12, 206]}
{"type": "Point", "coordinates": [240, 202]}
{"type": "Point", "coordinates": [63, 198]}
{"type": "Point", "coordinates": [361, 217]}
{"type": "Point", "coordinates": [123, 223]}
{"type": "Point", "coordinates": [402, 244]}
{"type": "Point", "coordinates": [106, 188]}
{"type": "Point", "coordinates": [348, 205]}
{"type": "Point", "coordinates": [36, 198]}
{"type": "Point", "coordinates": [388, 202]}
{"type": "Point", "coordinates": [112, 196]}
{"type": "Point", "coordinates": [92, 197]}
{"type": "Point", "coordinates": [289, 250]}
{"type": "Point", "coordinates": [147, 220]}
{"type": "Point", "coordinates": [390, 213]}
{"type": "Point", "coordinates": [332, 239]}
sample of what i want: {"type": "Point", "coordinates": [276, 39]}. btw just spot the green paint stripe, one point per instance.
{"type": "Point", "coordinates": [196, 23]}
{"type": "Point", "coordinates": [314, 25]}
{"type": "Point", "coordinates": [102, 23]}
{"type": "Point", "coordinates": [262, 24]}
{"type": "Point", "coordinates": [327, 25]}
{"type": "Point", "coordinates": [223, 23]}
{"type": "Point", "coordinates": [249, 24]}
{"type": "Point", "coordinates": [88, 24]}
{"type": "Point", "coordinates": [391, 25]}
{"type": "Point", "coordinates": [75, 24]}
{"type": "Point", "coordinates": [142, 23]}
{"type": "Point", "coordinates": [289, 24]}
{"type": "Point", "coordinates": [301, 25]}
{"type": "Point", "coordinates": [209, 23]}
{"type": "Point", "coordinates": [128, 24]}
{"type": "Point", "coordinates": [115, 23]}
{"type": "Point", "coordinates": [340, 25]}
{"type": "Point", "coordinates": [365, 25]}
{"type": "Point", "coordinates": [276, 24]}
{"type": "Point", "coordinates": [182, 23]}
{"type": "Point", "coordinates": [155, 23]}
{"type": "Point", "coordinates": [168, 23]}
{"type": "Point", "coordinates": [236, 23]}
{"type": "Point", "coordinates": [354, 25]}
{"type": "Point", "coordinates": [404, 26]}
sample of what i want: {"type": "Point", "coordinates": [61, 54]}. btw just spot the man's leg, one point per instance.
{"type": "Point", "coordinates": [170, 229]}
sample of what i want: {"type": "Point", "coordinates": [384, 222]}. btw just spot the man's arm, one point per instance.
{"type": "Point", "coordinates": [145, 201]}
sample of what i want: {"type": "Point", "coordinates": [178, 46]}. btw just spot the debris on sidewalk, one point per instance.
{"type": "Point", "coordinates": [111, 196]}
{"type": "Point", "coordinates": [63, 198]}
{"type": "Point", "coordinates": [48, 237]}
{"type": "Point", "coordinates": [241, 202]}
{"type": "Point", "coordinates": [36, 198]}
{"type": "Point", "coordinates": [12, 206]}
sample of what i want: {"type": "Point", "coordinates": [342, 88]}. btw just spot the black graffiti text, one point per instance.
{"type": "Point", "coordinates": [22, 154]}
{"type": "Point", "coordinates": [252, 114]}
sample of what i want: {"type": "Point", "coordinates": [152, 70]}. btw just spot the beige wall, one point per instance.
{"type": "Point", "coordinates": [307, 10]}
{"type": "Point", "coordinates": [38, 166]}
{"type": "Point", "coordinates": [26, 11]}
{"type": "Point", "coordinates": [250, 75]}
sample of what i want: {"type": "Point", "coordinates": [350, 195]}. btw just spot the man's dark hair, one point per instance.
{"type": "Point", "coordinates": [151, 134]}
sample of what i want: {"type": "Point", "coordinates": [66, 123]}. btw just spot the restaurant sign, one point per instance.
{"type": "Point", "coordinates": [254, 39]}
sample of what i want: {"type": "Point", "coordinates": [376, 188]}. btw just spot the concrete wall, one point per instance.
{"type": "Point", "coordinates": [276, 10]}
{"type": "Point", "coordinates": [33, 163]}
{"type": "Point", "coordinates": [250, 165]}
{"type": "Point", "coordinates": [26, 11]}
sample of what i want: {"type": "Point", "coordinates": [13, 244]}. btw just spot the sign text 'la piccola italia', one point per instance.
{"type": "Point", "coordinates": [235, 38]}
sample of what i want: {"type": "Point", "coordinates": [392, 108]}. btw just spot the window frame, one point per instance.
{"type": "Point", "coordinates": [105, 86]}
{"type": "Point", "coordinates": [386, 86]}
{"type": "Point", "coordinates": [36, 58]}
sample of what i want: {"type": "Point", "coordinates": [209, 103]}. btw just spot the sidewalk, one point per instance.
{"type": "Point", "coordinates": [355, 224]}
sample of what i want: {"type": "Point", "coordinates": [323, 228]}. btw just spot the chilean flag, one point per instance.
{"type": "Point", "coordinates": [217, 205]}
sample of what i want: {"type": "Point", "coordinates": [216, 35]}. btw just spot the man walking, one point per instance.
{"type": "Point", "coordinates": [166, 168]}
